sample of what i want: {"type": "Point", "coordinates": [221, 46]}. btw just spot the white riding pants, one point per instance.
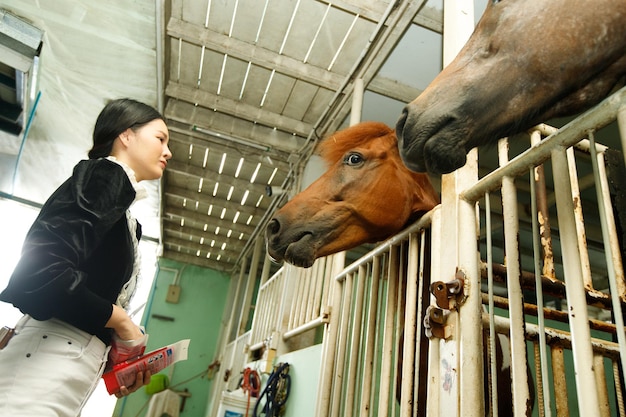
{"type": "Point", "coordinates": [49, 368]}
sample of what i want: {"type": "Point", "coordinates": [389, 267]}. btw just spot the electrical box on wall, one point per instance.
{"type": "Point", "coordinates": [173, 294]}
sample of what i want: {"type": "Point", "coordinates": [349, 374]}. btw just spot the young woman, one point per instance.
{"type": "Point", "coordinates": [78, 269]}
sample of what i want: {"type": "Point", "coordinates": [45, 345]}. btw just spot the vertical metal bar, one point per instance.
{"type": "Point", "coordinates": [357, 102]}
{"type": "Point", "coordinates": [410, 311]}
{"type": "Point", "coordinates": [542, 365]}
{"type": "Point", "coordinates": [493, 374]}
{"type": "Point", "coordinates": [344, 318]}
{"type": "Point", "coordinates": [419, 375]}
{"type": "Point", "coordinates": [307, 298]}
{"type": "Point", "coordinates": [580, 222]}
{"type": "Point", "coordinates": [607, 212]}
{"type": "Point", "coordinates": [400, 276]}
{"type": "Point", "coordinates": [355, 342]}
{"type": "Point", "coordinates": [329, 344]}
{"type": "Point", "coordinates": [519, 375]}
{"type": "Point", "coordinates": [598, 365]}
{"type": "Point", "coordinates": [459, 219]}
{"type": "Point", "coordinates": [618, 390]}
{"type": "Point", "coordinates": [318, 288]}
{"type": "Point", "coordinates": [539, 182]}
{"type": "Point", "coordinates": [434, 395]}
{"type": "Point", "coordinates": [539, 366]}
{"type": "Point", "coordinates": [387, 347]}
{"type": "Point", "coordinates": [611, 245]}
{"type": "Point", "coordinates": [560, 384]}
{"type": "Point", "coordinates": [576, 300]}
{"type": "Point", "coordinates": [370, 340]}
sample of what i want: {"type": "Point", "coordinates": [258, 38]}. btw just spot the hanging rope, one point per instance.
{"type": "Point", "coordinates": [250, 384]}
{"type": "Point", "coordinates": [275, 393]}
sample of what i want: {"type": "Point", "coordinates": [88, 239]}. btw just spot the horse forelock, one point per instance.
{"type": "Point", "coordinates": [334, 147]}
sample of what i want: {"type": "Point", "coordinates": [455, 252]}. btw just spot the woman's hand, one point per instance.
{"type": "Point", "coordinates": [141, 379]}
{"type": "Point", "coordinates": [123, 325]}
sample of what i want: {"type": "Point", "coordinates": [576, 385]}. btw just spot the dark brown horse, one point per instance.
{"type": "Point", "coordinates": [367, 195]}
{"type": "Point", "coordinates": [526, 62]}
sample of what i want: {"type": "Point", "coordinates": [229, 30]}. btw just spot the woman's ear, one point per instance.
{"type": "Point", "coordinates": [125, 137]}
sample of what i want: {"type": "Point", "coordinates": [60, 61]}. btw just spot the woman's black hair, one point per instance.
{"type": "Point", "coordinates": [117, 116]}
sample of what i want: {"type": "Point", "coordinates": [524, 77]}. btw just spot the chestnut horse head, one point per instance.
{"type": "Point", "coordinates": [526, 62]}
{"type": "Point", "coordinates": [366, 195]}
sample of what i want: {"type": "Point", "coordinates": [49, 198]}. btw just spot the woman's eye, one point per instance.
{"type": "Point", "coordinates": [353, 159]}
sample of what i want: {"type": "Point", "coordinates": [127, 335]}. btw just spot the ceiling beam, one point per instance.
{"type": "Point", "coordinates": [237, 109]}
{"type": "Point", "coordinates": [199, 35]}
{"type": "Point", "coordinates": [399, 21]}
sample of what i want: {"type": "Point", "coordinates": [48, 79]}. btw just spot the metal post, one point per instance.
{"type": "Point", "coordinates": [576, 300]}
{"type": "Point", "coordinates": [464, 354]}
{"type": "Point", "coordinates": [521, 394]}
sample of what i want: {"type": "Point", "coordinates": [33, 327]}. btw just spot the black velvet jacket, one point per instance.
{"type": "Point", "coordinates": [78, 253]}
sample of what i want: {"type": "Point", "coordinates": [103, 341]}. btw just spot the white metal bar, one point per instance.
{"type": "Point", "coordinates": [329, 344]}
{"type": "Point", "coordinates": [370, 340]}
{"type": "Point", "coordinates": [521, 394]}
{"type": "Point", "coordinates": [580, 222]}
{"type": "Point", "coordinates": [599, 116]}
{"type": "Point", "coordinates": [344, 317]}
{"type": "Point", "coordinates": [387, 346]}
{"type": "Point", "coordinates": [410, 313]}
{"type": "Point", "coordinates": [464, 353]}
{"type": "Point", "coordinates": [355, 339]}
{"type": "Point", "coordinates": [420, 374]}
{"type": "Point", "coordinates": [305, 327]}
{"type": "Point", "coordinates": [492, 330]}
{"type": "Point", "coordinates": [433, 397]}
{"type": "Point", "coordinates": [543, 351]}
{"type": "Point", "coordinates": [598, 364]}
{"type": "Point", "coordinates": [577, 304]}
{"type": "Point", "coordinates": [611, 246]}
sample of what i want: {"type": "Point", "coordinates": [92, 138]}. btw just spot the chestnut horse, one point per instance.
{"type": "Point", "coordinates": [526, 62]}
{"type": "Point", "coordinates": [366, 196]}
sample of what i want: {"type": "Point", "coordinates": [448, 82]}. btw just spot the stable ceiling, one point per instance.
{"type": "Point", "coordinates": [248, 88]}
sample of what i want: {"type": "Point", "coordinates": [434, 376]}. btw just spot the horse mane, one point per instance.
{"type": "Point", "coordinates": [333, 148]}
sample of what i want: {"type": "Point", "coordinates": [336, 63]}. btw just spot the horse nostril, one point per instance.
{"type": "Point", "coordinates": [273, 227]}
{"type": "Point", "coordinates": [401, 122]}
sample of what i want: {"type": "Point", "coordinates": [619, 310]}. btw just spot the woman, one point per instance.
{"type": "Point", "coordinates": [78, 268]}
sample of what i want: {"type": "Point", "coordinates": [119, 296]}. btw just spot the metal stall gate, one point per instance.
{"type": "Point", "coordinates": [526, 320]}
{"type": "Point", "coordinates": [559, 265]}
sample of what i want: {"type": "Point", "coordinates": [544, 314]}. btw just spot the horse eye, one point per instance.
{"type": "Point", "coordinates": [353, 159]}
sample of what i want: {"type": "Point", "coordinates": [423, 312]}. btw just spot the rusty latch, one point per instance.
{"type": "Point", "coordinates": [434, 323]}
{"type": "Point", "coordinates": [446, 293]}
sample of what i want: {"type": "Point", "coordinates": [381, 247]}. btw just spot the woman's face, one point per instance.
{"type": "Point", "coordinates": [147, 151]}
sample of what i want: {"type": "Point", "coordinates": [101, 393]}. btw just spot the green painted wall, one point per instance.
{"type": "Point", "coordinates": [196, 316]}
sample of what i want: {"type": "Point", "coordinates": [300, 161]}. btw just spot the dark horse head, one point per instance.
{"type": "Point", "coordinates": [526, 62]}
{"type": "Point", "coordinates": [366, 195]}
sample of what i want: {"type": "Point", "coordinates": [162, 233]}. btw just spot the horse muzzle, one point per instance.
{"type": "Point", "coordinates": [429, 142]}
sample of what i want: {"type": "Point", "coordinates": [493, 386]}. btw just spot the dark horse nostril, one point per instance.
{"type": "Point", "coordinates": [400, 124]}
{"type": "Point", "coordinates": [273, 227]}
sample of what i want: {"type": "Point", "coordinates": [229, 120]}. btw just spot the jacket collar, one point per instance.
{"type": "Point", "coordinates": [140, 190]}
